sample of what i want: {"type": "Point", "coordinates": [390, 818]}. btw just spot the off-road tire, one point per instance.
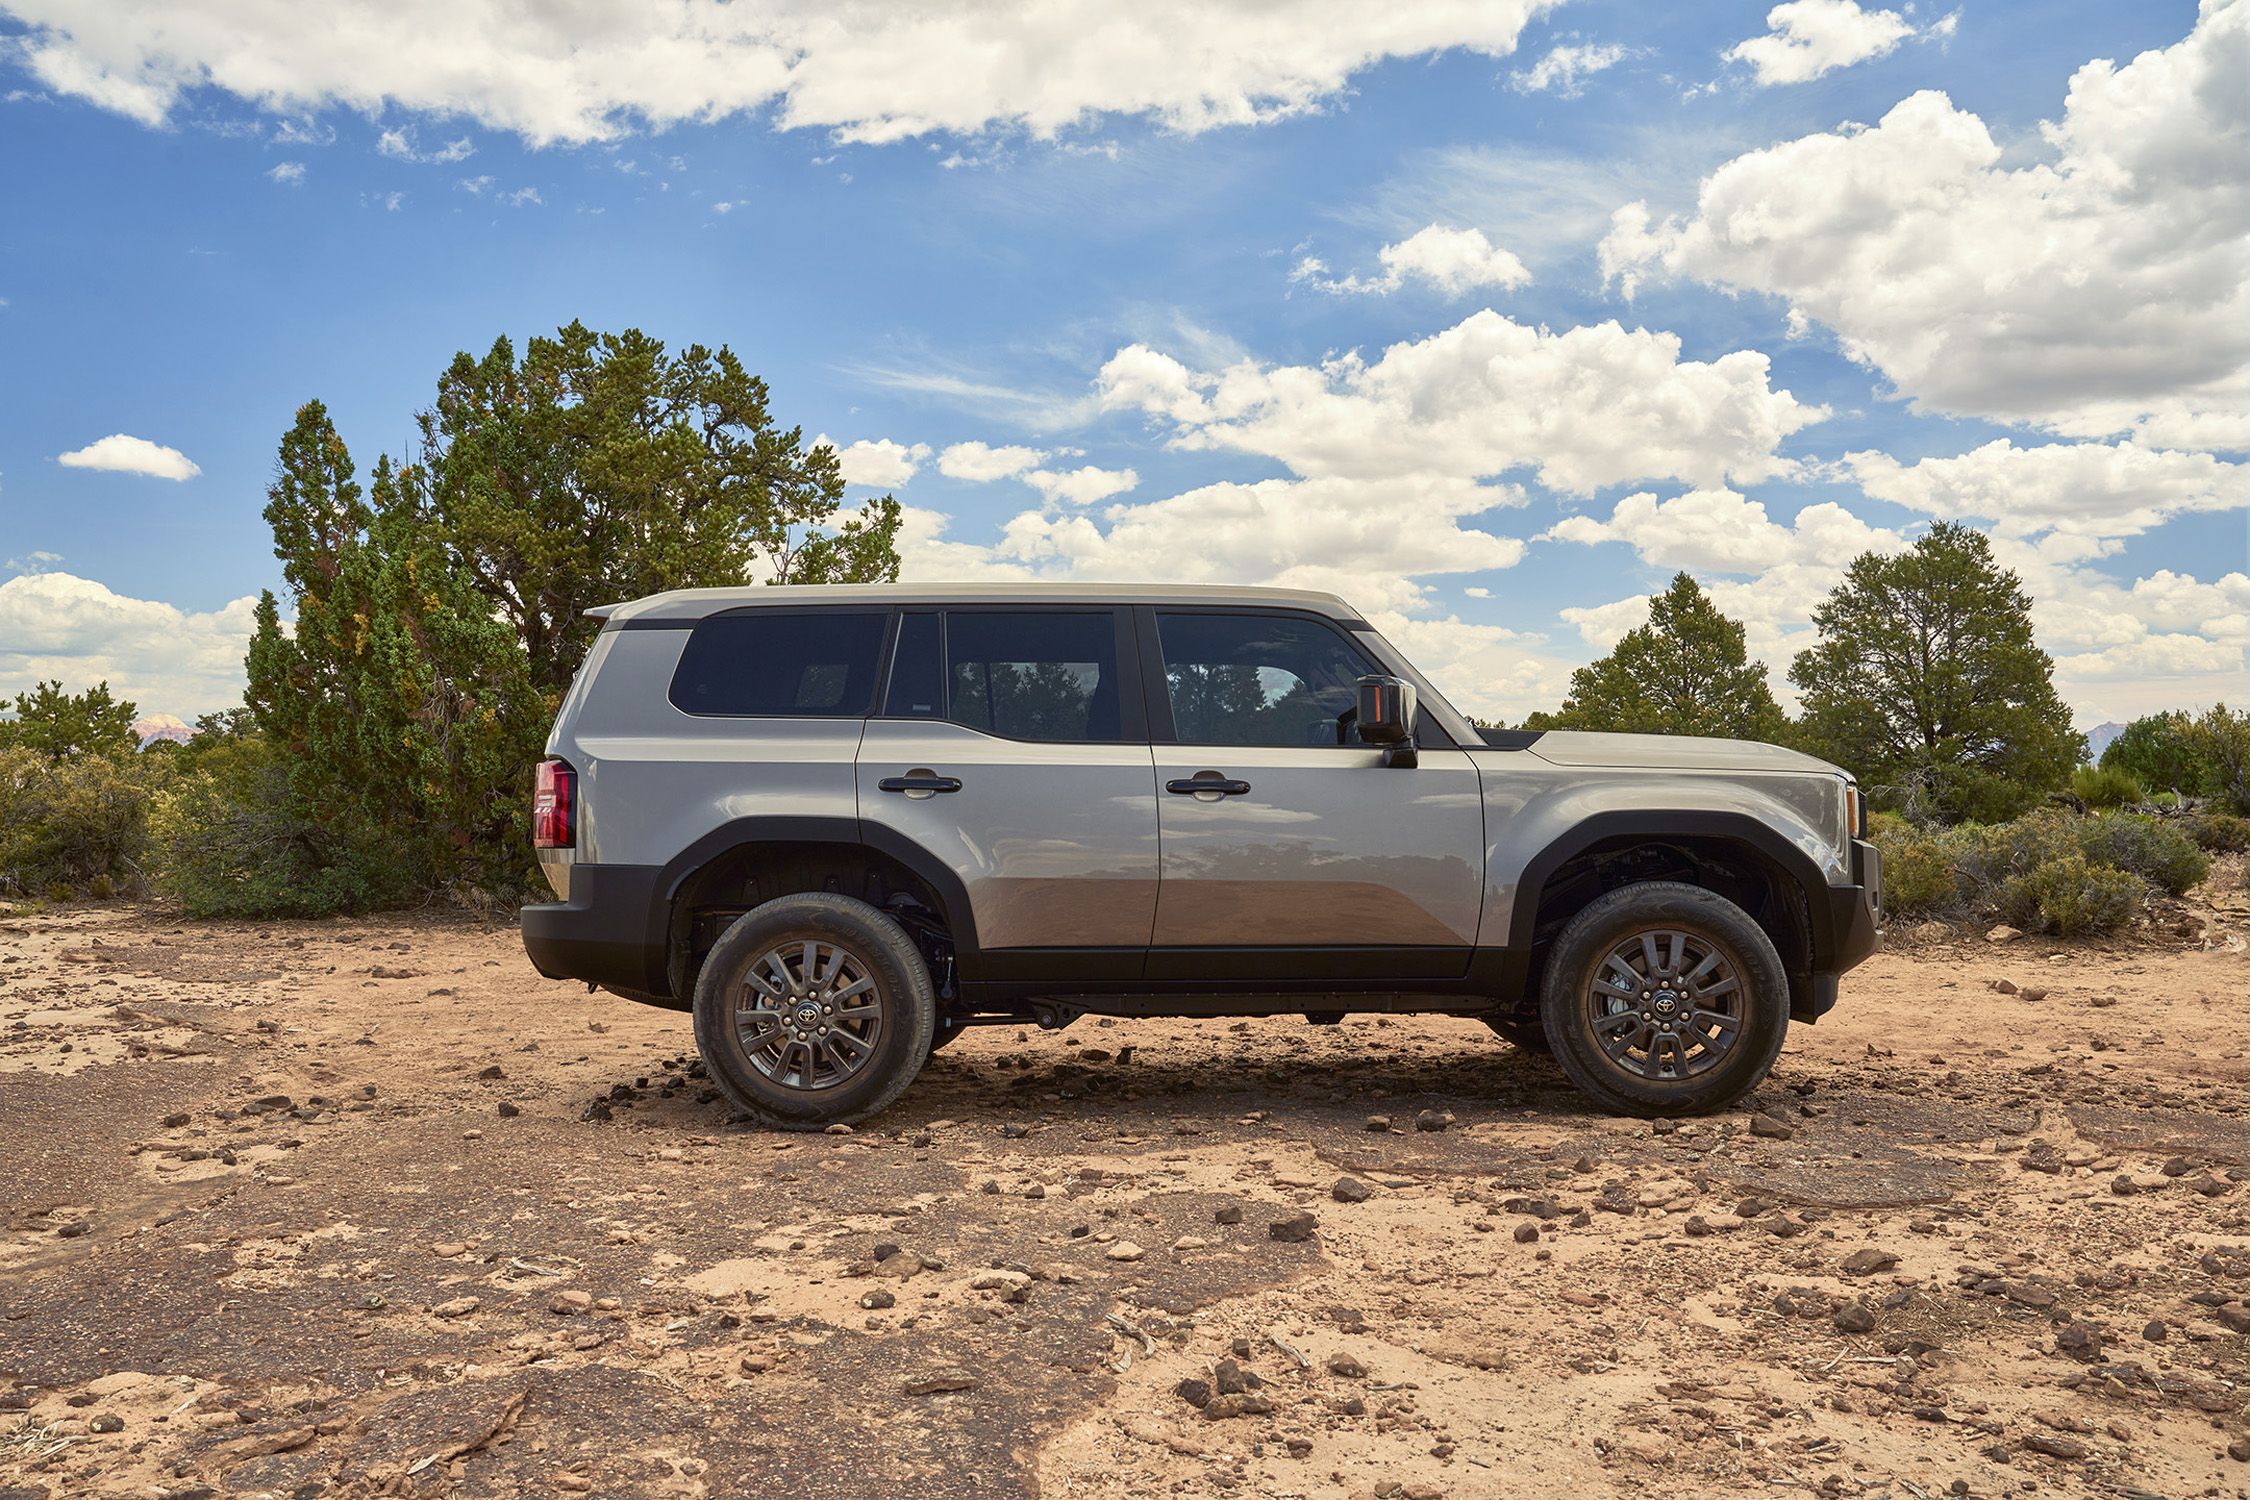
{"type": "Point", "coordinates": [907, 1009]}
{"type": "Point", "coordinates": [1581, 953]}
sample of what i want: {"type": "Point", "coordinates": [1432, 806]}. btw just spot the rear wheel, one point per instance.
{"type": "Point", "coordinates": [813, 1010]}
{"type": "Point", "coordinates": [1664, 999]}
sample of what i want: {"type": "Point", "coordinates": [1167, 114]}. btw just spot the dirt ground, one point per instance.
{"type": "Point", "coordinates": [366, 1207]}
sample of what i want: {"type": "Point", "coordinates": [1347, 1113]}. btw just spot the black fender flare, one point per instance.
{"type": "Point", "coordinates": [742, 833]}
{"type": "Point", "coordinates": [1658, 824]}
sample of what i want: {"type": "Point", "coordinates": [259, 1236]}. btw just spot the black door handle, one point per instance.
{"type": "Point", "coordinates": [919, 784]}
{"type": "Point", "coordinates": [1190, 785]}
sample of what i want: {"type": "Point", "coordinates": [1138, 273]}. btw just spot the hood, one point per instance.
{"type": "Point", "coordinates": [1673, 752]}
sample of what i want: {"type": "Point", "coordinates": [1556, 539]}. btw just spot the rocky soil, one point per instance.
{"type": "Point", "coordinates": [361, 1208]}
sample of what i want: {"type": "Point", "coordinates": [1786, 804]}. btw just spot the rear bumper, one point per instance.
{"type": "Point", "coordinates": [610, 932]}
{"type": "Point", "coordinates": [1846, 929]}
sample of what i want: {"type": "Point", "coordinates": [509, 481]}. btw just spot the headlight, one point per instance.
{"type": "Point", "coordinates": [1855, 811]}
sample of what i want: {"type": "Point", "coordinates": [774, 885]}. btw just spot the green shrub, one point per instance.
{"type": "Point", "coordinates": [72, 828]}
{"type": "Point", "coordinates": [2218, 833]}
{"type": "Point", "coordinates": [2159, 753]}
{"type": "Point", "coordinates": [231, 841]}
{"type": "Point", "coordinates": [2156, 851]}
{"type": "Point", "coordinates": [2106, 786]}
{"type": "Point", "coordinates": [1986, 857]}
{"type": "Point", "coordinates": [2220, 742]}
{"type": "Point", "coordinates": [1918, 878]}
{"type": "Point", "coordinates": [2071, 895]}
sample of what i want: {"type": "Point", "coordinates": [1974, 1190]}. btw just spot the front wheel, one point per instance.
{"type": "Point", "coordinates": [1662, 998]}
{"type": "Point", "coordinates": [813, 1010]}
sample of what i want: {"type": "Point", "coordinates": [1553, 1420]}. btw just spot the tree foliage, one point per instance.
{"type": "Point", "coordinates": [58, 725]}
{"type": "Point", "coordinates": [1926, 683]}
{"type": "Point", "coordinates": [438, 613]}
{"type": "Point", "coordinates": [1687, 671]}
{"type": "Point", "coordinates": [2159, 752]}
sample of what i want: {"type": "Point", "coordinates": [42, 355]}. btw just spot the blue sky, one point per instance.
{"type": "Point", "coordinates": [1144, 250]}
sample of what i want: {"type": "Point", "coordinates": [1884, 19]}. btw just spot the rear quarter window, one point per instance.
{"type": "Point", "coordinates": [790, 664]}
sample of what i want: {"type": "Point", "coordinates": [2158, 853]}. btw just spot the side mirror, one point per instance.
{"type": "Point", "coordinates": [1385, 717]}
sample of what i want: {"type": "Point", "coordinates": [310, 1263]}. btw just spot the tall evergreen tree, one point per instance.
{"type": "Point", "coordinates": [1687, 671]}
{"type": "Point", "coordinates": [1925, 682]}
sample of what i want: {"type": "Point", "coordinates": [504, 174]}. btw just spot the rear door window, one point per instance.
{"type": "Point", "coordinates": [779, 663]}
{"type": "Point", "coordinates": [1034, 674]}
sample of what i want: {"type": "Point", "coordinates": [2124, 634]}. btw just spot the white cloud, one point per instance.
{"type": "Point", "coordinates": [1565, 69]}
{"type": "Point", "coordinates": [523, 197]}
{"type": "Point", "coordinates": [288, 173]}
{"type": "Point", "coordinates": [399, 144]}
{"type": "Point", "coordinates": [60, 626]}
{"type": "Point", "coordinates": [881, 463]}
{"type": "Point", "coordinates": [121, 454]}
{"type": "Point", "coordinates": [2094, 294]}
{"type": "Point", "coordinates": [598, 69]}
{"type": "Point", "coordinates": [32, 562]}
{"type": "Point", "coordinates": [1719, 531]}
{"type": "Point", "coordinates": [1084, 485]}
{"type": "Point", "coordinates": [979, 463]}
{"type": "Point", "coordinates": [1453, 261]}
{"type": "Point", "coordinates": [1806, 38]}
{"type": "Point", "coordinates": [1593, 406]}
{"type": "Point", "coordinates": [2090, 490]}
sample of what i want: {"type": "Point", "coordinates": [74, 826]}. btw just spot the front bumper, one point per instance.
{"type": "Point", "coordinates": [610, 932]}
{"type": "Point", "coordinates": [1846, 922]}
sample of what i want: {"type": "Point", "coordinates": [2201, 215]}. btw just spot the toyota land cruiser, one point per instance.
{"type": "Point", "coordinates": [843, 824]}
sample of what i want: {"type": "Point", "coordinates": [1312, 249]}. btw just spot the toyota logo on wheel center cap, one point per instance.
{"type": "Point", "coordinates": [1666, 1002]}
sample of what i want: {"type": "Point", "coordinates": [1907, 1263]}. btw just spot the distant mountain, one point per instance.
{"type": "Point", "coordinates": [156, 727]}
{"type": "Point", "coordinates": [2098, 738]}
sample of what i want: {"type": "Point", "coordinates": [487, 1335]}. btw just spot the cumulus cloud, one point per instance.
{"type": "Point", "coordinates": [2097, 293]}
{"type": "Point", "coordinates": [60, 626]}
{"type": "Point", "coordinates": [1593, 406]}
{"type": "Point", "coordinates": [1806, 38]}
{"type": "Point", "coordinates": [880, 462]}
{"type": "Point", "coordinates": [1454, 261]}
{"type": "Point", "coordinates": [1085, 485]}
{"type": "Point", "coordinates": [1565, 69]}
{"type": "Point", "coordinates": [2094, 491]}
{"type": "Point", "coordinates": [288, 173]}
{"type": "Point", "coordinates": [598, 69]}
{"type": "Point", "coordinates": [1721, 531]}
{"type": "Point", "coordinates": [980, 464]}
{"type": "Point", "coordinates": [121, 454]}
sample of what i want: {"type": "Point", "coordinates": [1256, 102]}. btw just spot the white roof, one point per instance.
{"type": "Point", "coordinates": [694, 604]}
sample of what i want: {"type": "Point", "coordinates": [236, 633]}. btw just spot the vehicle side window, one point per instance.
{"type": "Point", "coordinates": [781, 664]}
{"type": "Point", "coordinates": [1258, 679]}
{"type": "Point", "coordinates": [1034, 674]}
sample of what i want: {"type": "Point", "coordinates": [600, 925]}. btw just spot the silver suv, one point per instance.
{"type": "Point", "coordinates": [843, 824]}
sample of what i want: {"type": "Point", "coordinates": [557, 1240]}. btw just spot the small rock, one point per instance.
{"type": "Point", "coordinates": [1229, 1213]}
{"type": "Point", "coordinates": [1346, 1367]}
{"type": "Point", "coordinates": [2155, 1331]}
{"type": "Point", "coordinates": [1378, 1123]}
{"type": "Point", "coordinates": [1244, 1404]}
{"type": "Point", "coordinates": [1295, 1229]}
{"type": "Point", "coordinates": [459, 1307]}
{"type": "Point", "coordinates": [878, 1299]}
{"type": "Point", "coordinates": [107, 1421]}
{"type": "Point", "coordinates": [174, 1121]}
{"type": "Point", "coordinates": [2079, 1340]}
{"type": "Point", "coordinates": [1527, 1232]}
{"type": "Point", "coordinates": [508, 1111]}
{"type": "Point", "coordinates": [1351, 1190]}
{"type": "Point", "coordinates": [1196, 1393]}
{"type": "Point", "coordinates": [1854, 1316]}
{"type": "Point", "coordinates": [1432, 1119]}
{"type": "Point", "coordinates": [577, 1484]}
{"type": "Point", "coordinates": [2054, 1445]}
{"type": "Point", "coordinates": [447, 1249]}
{"type": "Point", "coordinates": [948, 1380]}
{"type": "Point", "coordinates": [1868, 1261]}
{"type": "Point", "coordinates": [1124, 1250]}
{"type": "Point", "coordinates": [570, 1303]}
{"type": "Point", "coordinates": [72, 1230]}
{"type": "Point", "coordinates": [1766, 1127]}
{"type": "Point", "coordinates": [2003, 934]}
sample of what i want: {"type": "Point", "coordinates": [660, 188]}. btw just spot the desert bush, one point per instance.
{"type": "Point", "coordinates": [2218, 833]}
{"type": "Point", "coordinates": [2155, 850]}
{"type": "Point", "coordinates": [2072, 896]}
{"type": "Point", "coordinates": [2106, 786]}
{"type": "Point", "coordinates": [1918, 874]}
{"type": "Point", "coordinates": [73, 827]}
{"type": "Point", "coordinates": [2220, 741]}
{"type": "Point", "coordinates": [1988, 856]}
{"type": "Point", "coordinates": [230, 841]}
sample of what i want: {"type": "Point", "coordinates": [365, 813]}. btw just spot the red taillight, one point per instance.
{"type": "Point", "coordinates": [554, 806]}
